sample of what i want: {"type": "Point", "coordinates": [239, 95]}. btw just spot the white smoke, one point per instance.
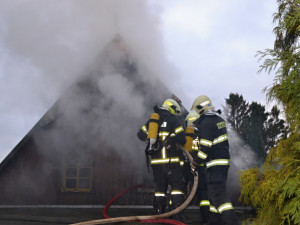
{"type": "Point", "coordinates": [46, 45]}
{"type": "Point", "coordinates": [118, 89]}
{"type": "Point", "coordinates": [241, 155]}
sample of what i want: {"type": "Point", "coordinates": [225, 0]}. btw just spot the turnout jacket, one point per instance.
{"type": "Point", "coordinates": [196, 145]}
{"type": "Point", "coordinates": [213, 141]}
{"type": "Point", "coordinates": [170, 133]}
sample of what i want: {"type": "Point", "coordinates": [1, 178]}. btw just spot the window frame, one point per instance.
{"type": "Point", "coordinates": [67, 164]}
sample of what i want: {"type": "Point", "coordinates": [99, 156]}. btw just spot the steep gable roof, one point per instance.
{"type": "Point", "coordinates": [109, 101]}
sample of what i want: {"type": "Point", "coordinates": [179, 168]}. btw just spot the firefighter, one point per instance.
{"type": "Point", "coordinates": [201, 168]}
{"type": "Point", "coordinates": [166, 157]}
{"type": "Point", "coordinates": [214, 151]}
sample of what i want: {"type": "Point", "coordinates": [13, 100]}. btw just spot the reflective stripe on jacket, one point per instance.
{"type": "Point", "coordinates": [171, 132]}
{"type": "Point", "coordinates": [213, 141]}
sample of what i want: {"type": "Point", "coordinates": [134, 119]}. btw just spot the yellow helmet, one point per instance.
{"type": "Point", "coordinates": [191, 117]}
{"type": "Point", "coordinates": [172, 106]}
{"type": "Point", "coordinates": [201, 104]}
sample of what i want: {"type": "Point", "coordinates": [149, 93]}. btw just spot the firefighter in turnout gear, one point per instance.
{"type": "Point", "coordinates": [166, 157]}
{"type": "Point", "coordinates": [201, 194]}
{"type": "Point", "coordinates": [214, 151]}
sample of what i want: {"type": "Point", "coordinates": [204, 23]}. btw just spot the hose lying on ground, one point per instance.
{"type": "Point", "coordinates": [150, 217]}
{"type": "Point", "coordinates": [160, 221]}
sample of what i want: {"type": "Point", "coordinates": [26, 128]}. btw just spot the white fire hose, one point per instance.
{"type": "Point", "coordinates": [149, 217]}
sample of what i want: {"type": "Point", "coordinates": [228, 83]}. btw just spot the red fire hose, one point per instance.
{"type": "Point", "coordinates": [116, 197]}
{"type": "Point", "coordinates": [149, 217]}
{"type": "Point", "coordinates": [164, 221]}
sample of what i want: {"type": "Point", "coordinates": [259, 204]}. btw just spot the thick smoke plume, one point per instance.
{"type": "Point", "coordinates": [48, 47]}
{"type": "Point", "coordinates": [242, 155]}
{"type": "Point", "coordinates": [53, 43]}
{"type": "Point", "coordinates": [242, 158]}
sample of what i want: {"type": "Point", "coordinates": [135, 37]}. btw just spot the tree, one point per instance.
{"type": "Point", "coordinates": [275, 189]}
{"type": "Point", "coordinates": [237, 112]}
{"type": "Point", "coordinates": [286, 56]}
{"type": "Point", "coordinates": [255, 130]}
{"type": "Point", "coordinates": [275, 129]}
{"type": "Point", "coordinates": [258, 129]}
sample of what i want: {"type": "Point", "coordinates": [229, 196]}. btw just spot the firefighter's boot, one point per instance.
{"type": "Point", "coordinates": [159, 209]}
{"type": "Point", "coordinates": [159, 204]}
{"type": "Point", "coordinates": [177, 201]}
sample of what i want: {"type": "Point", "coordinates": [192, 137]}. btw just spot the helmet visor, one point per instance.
{"type": "Point", "coordinates": [176, 110]}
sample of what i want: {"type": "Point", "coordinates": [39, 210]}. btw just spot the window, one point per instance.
{"type": "Point", "coordinates": [77, 176]}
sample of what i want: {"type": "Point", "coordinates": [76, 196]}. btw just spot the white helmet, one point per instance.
{"type": "Point", "coordinates": [191, 117]}
{"type": "Point", "coordinates": [172, 106]}
{"type": "Point", "coordinates": [202, 104]}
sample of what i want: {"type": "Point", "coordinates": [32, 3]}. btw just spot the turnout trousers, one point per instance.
{"type": "Point", "coordinates": [164, 175]}
{"type": "Point", "coordinates": [202, 193]}
{"type": "Point", "coordinates": [221, 210]}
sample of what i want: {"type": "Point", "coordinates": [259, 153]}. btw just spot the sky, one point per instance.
{"type": "Point", "coordinates": [195, 47]}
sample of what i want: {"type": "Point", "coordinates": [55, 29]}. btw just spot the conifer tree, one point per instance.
{"type": "Point", "coordinates": [275, 189]}
{"type": "Point", "coordinates": [255, 130]}
{"type": "Point", "coordinates": [275, 129]}
{"type": "Point", "coordinates": [237, 113]}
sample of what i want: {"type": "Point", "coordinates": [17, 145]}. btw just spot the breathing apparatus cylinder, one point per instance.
{"type": "Point", "coordinates": [153, 128]}
{"type": "Point", "coordinates": [189, 131]}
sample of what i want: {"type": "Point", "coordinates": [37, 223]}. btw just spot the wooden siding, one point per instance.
{"type": "Point", "coordinates": [33, 178]}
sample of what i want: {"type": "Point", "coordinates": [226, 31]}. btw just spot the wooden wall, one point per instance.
{"type": "Point", "coordinates": [32, 178]}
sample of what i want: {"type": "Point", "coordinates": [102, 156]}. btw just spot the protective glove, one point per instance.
{"type": "Point", "coordinates": [152, 141]}
{"type": "Point", "coordinates": [169, 142]}
{"type": "Point", "coordinates": [152, 149]}
{"type": "Point", "coordinates": [196, 160]}
{"type": "Point", "coordinates": [193, 166]}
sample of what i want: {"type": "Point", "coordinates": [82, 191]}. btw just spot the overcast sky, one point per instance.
{"type": "Point", "coordinates": [210, 46]}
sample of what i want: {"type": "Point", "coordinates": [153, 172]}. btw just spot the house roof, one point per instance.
{"type": "Point", "coordinates": [115, 59]}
